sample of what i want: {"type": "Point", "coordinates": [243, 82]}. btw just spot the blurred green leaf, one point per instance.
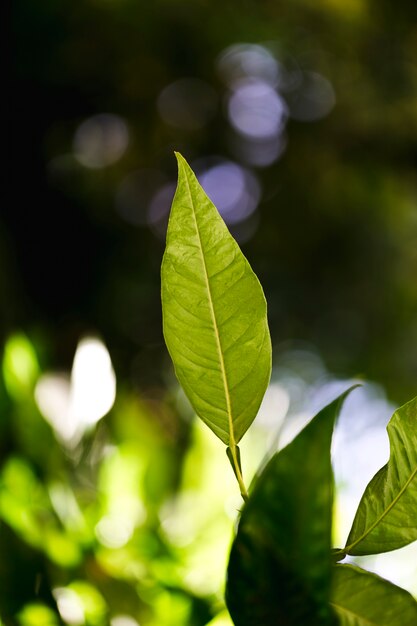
{"type": "Point", "coordinates": [23, 501]}
{"type": "Point", "coordinates": [25, 507]}
{"type": "Point", "coordinates": [37, 614]}
{"type": "Point", "coordinates": [279, 570]}
{"type": "Point", "coordinates": [20, 366]}
{"type": "Point", "coordinates": [92, 602]}
{"type": "Point", "coordinates": [386, 518]}
{"type": "Point", "coordinates": [61, 548]}
{"type": "Point", "coordinates": [221, 619]}
{"type": "Point", "coordinates": [361, 598]}
{"type": "Point", "coordinates": [171, 608]}
{"type": "Point", "coordinates": [214, 309]}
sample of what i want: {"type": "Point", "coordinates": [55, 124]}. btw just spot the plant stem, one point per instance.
{"type": "Point", "coordinates": [234, 460]}
{"type": "Point", "coordinates": [338, 554]}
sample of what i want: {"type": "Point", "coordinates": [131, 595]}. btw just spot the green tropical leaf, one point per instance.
{"type": "Point", "coordinates": [280, 567]}
{"type": "Point", "coordinates": [214, 315]}
{"type": "Point", "coordinates": [364, 599]}
{"type": "Point", "coordinates": [386, 518]}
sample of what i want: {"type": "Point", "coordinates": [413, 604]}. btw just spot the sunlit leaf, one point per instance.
{"type": "Point", "coordinates": [279, 570]}
{"type": "Point", "coordinates": [214, 310]}
{"type": "Point", "coordinates": [364, 599]}
{"type": "Point", "coordinates": [386, 518]}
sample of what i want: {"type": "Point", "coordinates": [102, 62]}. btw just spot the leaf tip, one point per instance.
{"type": "Point", "coordinates": [348, 391]}
{"type": "Point", "coordinates": [180, 158]}
{"type": "Point", "coordinates": [184, 168]}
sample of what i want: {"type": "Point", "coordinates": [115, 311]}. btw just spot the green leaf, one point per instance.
{"type": "Point", "coordinates": [20, 367]}
{"type": "Point", "coordinates": [280, 567]}
{"type": "Point", "coordinates": [386, 518]}
{"type": "Point", "coordinates": [364, 599]}
{"type": "Point", "coordinates": [214, 314]}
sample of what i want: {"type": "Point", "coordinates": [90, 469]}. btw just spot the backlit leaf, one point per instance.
{"type": "Point", "coordinates": [364, 599]}
{"type": "Point", "coordinates": [214, 314]}
{"type": "Point", "coordinates": [386, 518]}
{"type": "Point", "coordinates": [280, 569]}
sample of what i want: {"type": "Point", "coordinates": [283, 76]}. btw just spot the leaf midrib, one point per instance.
{"type": "Point", "coordinates": [384, 514]}
{"type": "Point", "coordinates": [232, 442]}
{"type": "Point", "coordinates": [355, 615]}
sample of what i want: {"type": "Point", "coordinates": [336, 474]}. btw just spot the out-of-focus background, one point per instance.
{"type": "Point", "coordinates": [300, 120]}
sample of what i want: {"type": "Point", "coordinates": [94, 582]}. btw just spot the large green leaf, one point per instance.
{"type": "Point", "coordinates": [364, 599]}
{"type": "Point", "coordinates": [279, 570]}
{"type": "Point", "coordinates": [214, 314]}
{"type": "Point", "coordinates": [386, 518]}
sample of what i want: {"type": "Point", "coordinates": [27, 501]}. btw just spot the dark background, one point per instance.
{"type": "Point", "coordinates": [335, 246]}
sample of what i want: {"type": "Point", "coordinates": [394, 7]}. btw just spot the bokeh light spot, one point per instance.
{"type": "Point", "coordinates": [274, 406]}
{"type": "Point", "coordinates": [72, 406]}
{"type": "Point", "coordinates": [93, 382]}
{"type": "Point", "coordinates": [52, 397]}
{"type": "Point", "coordinates": [114, 531]}
{"type": "Point", "coordinates": [256, 110]}
{"type": "Point", "coordinates": [247, 60]}
{"type": "Point", "coordinates": [123, 620]}
{"type": "Point", "coordinates": [233, 189]}
{"type": "Point", "coordinates": [258, 152]}
{"type": "Point", "coordinates": [100, 140]}
{"type": "Point", "coordinates": [36, 614]}
{"type": "Point", "coordinates": [20, 366]}
{"type": "Point", "coordinates": [70, 606]}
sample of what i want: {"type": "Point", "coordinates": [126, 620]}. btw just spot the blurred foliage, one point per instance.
{"type": "Point", "coordinates": [123, 524]}
{"type": "Point", "coordinates": [93, 529]}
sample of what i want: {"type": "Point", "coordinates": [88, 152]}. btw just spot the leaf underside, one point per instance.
{"type": "Point", "coordinates": [386, 518]}
{"type": "Point", "coordinates": [279, 570]}
{"type": "Point", "coordinates": [214, 314]}
{"type": "Point", "coordinates": [363, 599]}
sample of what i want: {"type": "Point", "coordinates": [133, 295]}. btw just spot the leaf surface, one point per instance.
{"type": "Point", "coordinates": [279, 569]}
{"type": "Point", "coordinates": [386, 518]}
{"type": "Point", "coordinates": [214, 314]}
{"type": "Point", "coordinates": [364, 599]}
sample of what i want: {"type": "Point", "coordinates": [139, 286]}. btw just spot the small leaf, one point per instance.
{"type": "Point", "coordinates": [364, 599]}
{"type": "Point", "coordinates": [214, 314]}
{"type": "Point", "coordinates": [386, 518]}
{"type": "Point", "coordinates": [280, 567]}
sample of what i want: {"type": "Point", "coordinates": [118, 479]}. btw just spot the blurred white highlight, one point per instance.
{"type": "Point", "coordinates": [274, 406]}
{"type": "Point", "coordinates": [123, 620]}
{"type": "Point", "coordinates": [114, 531]}
{"type": "Point", "coordinates": [72, 406]}
{"type": "Point", "coordinates": [70, 606]}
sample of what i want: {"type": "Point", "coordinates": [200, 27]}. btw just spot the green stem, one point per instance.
{"type": "Point", "coordinates": [234, 458]}
{"type": "Point", "coordinates": [338, 554]}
